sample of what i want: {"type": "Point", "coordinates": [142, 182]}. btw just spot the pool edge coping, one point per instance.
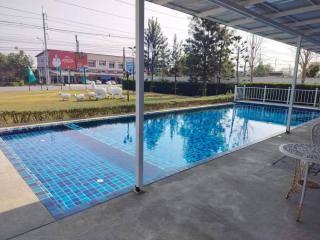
{"type": "Point", "coordinates": [147, 113]}
{"type": "Point", "coordinates": [202, 162]}
{"type": "Point", "coordinates": [112, 117]}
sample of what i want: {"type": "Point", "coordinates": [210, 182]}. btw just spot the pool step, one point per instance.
{"type": "Point", "coordinates": [73, 126]}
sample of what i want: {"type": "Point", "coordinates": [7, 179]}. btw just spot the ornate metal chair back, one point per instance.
{"type": "Point", "coordinates": [315, 134]}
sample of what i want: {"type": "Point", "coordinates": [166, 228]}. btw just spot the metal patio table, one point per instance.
{"type": "Point", "coordinates": [307, 153]}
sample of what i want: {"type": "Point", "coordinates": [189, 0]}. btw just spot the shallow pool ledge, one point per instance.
{"type": "Point", "coordinates": [20, 209]}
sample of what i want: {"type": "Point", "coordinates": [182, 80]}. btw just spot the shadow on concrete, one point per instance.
{"type": "Point", "coordinates": [23, 219]}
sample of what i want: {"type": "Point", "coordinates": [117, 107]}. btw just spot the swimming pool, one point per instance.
{"type": "Point", "coordinates": [73, 166]}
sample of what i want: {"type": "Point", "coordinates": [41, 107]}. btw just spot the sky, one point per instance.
{"type": "Point", "coordinates": [102, 26]}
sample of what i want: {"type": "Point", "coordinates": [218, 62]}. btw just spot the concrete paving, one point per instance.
{"type": "Point", "coordinates": [237, 196]}
{"type": "Point", "coordinates": [20, 209]}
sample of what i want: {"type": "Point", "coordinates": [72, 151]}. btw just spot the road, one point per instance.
{"type": "Point", "coordinates": [50, 87]}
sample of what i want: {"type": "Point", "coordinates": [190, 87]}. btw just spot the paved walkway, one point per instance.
{"type": "Point", "coordinates": [236, 196]}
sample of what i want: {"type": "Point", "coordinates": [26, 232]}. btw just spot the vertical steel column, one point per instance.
{"type": "Point", "coordinates": [288, 95]}
{"type": "Point", "coordinates": [139, 92]}
{"type": "Point", "coordinates": [264, 93]}
{"type": "Point", "coordinates": [315, 97]}
{"type": "Point", "coordinates": [235, 93]}
{"type": "Point", "coordinates": [294, 81]}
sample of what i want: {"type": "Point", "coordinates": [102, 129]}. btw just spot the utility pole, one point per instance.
{"type": "Point", "coordinates": [46, 68]}
{"type": "Point", "coordinates": [76, 58]}
{"type": "Point", "coordinates": [77, 44]}
{"type": "Point", "coordinates": [289, 70]}
{"type": "Point", "coordinates": [237, 73]}
{"type": "Point", "coordinates": [245, 68]}
{"type": "Point", "coordinates": [260, 57]}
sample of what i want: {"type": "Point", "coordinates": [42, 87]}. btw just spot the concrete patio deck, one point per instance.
{"type": "Point", "coordinates": [237, 196]}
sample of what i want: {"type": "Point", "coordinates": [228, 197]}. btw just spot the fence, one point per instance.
{"type": "Point", "coordinates": [278, 95]}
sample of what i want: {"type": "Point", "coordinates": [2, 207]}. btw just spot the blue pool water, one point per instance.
{"type": "Point", "coordinates": [74, 166]}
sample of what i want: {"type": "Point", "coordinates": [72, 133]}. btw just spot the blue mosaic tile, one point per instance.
{"type": "Point", "coordinates": [78, 165]}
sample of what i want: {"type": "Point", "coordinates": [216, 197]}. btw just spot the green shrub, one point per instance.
{"type": "Point", "coordinates": [183, 88]}
{"type": "Point", "coordinates": [9, 118]}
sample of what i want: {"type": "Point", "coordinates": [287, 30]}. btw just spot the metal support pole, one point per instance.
{"type": "Point", "coordinates": [264, 93]}
{"type": "Point", "coordinates": [244, 92]}
{"type": "Point", "coordinates": [303, 192]}
{"type": "Point", "coordinates": [315, 97]}
{"type": "Point", "coordinates": [235, 93]}
{"type": "Point", "coordinates": [288, 95]}
{"type": "Point", "coordinates": [139, 92]}
{"type": "Point", "coordinates": [69, 78]}
{"type": "Point", "coordinates": [294, 81]}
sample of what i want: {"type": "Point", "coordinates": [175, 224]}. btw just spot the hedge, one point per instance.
{"type": "Point", "coordinates": [9, 118]}
{"type": "Point", "coordinates": [183, 88]}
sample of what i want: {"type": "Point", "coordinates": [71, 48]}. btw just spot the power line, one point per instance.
{"type": "Point", "coordinates": [86, 45]}
{"type": "Point", "coordinates": [103, 12]}
{"type": "Point", "coordinates": [10, 23]}
{"type": "Point", "coordinates": [19, 16]}
{"type": "Point", "coordinates": [20, 10]}
{"type": "Point", "coordinates": [59, 18]}
{"type": "Point", "coordinates": [80, 6]}
{"type": "Point", "coordinates": [92, 9]}
{"type": "Point", "coordinates": [88, 33]}
{"type": "Point", "coordinates": [85, 24]}
{"type": "Point", "coordinates": [151, 10]}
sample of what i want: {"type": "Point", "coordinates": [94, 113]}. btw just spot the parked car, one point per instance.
{"type": "Point", "coordinates": [88, 81]}
{"type": "Point", "coordinates": [98, 82]}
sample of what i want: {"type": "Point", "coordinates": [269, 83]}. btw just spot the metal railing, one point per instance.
{"type": "Point", "coordinates": [278, 95]}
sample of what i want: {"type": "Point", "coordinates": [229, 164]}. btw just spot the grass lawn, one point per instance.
{"type": "Point", "coordinates": [42, 106]}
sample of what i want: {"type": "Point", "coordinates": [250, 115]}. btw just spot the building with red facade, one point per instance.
{"type": "Point", "coordinates": [69, 67]}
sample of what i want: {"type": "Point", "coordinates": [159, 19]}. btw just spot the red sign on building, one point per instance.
{"type": "Point", "coordinates": [67, 60]}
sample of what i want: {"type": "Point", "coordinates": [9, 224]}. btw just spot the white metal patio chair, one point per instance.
{"type": "Point", "coordinates": [307, 156]}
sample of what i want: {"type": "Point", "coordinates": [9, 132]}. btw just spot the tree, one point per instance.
{"type": "Point", "coordinates": [254, 46]}
{"type": "Point", "coordinates": [313, 70]}
{"type": "Point", "coordinates": [228, 70]}
{"type": "Point", "coordinates": [13, 66]}
{"type": "Point", "coordinates": [305, 58]}
{"type": "Point", "coordinates": [206, 51]}
{"type": "Point", "coordinates": [156, 48]}
{"type": "Point", "coordinates": [225, 40]}
{"type": "Point", "coordinates": [262, 70]}
{"type": "Point", "coordinates": [175, 58]}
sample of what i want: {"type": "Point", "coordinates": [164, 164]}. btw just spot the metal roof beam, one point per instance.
{"type": "Point", "coordinates": [295, 24]}
{"type": "Point", "coordinates": [163, 2]}
{"type": "Point", "coordinates": [263, 19]}
{"type": "Point", "coordinates": [280, 35]}
{"type": "Point", "coordinates": [218, 10]}
{"type": "Point", "coordinates": [277, 15]}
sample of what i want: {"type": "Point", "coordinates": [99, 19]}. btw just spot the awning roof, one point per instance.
{"type": "Point", "coordinates": [280, 20]}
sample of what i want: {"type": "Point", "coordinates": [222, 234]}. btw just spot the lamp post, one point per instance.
{"type": "Point", "coordinates": [131, 70]}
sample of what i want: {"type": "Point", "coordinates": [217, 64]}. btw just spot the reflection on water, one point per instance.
{"type": "Point", "coordinates": [177, 139]}
{"type": "Point", "coordinates": [62, 164]}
